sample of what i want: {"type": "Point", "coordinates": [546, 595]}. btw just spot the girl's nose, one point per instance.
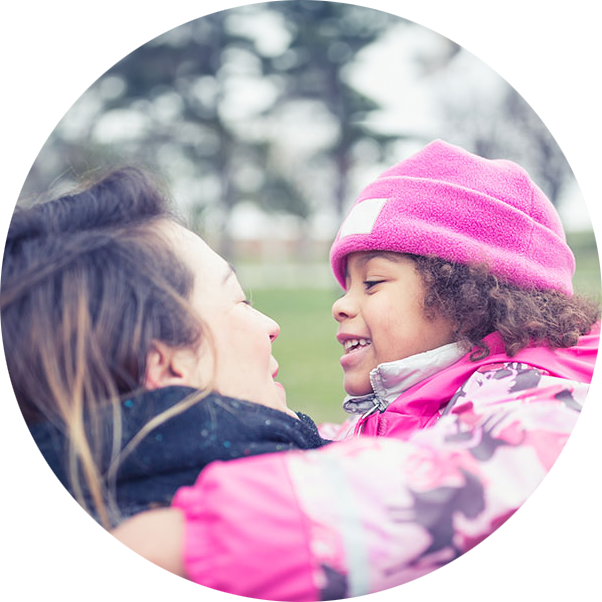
{"type": "Point", "coordinates": [342, 308]}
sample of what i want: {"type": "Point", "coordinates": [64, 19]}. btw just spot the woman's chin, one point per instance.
{"type": "Point", "coordinates": [281, 392]}
{"type": "Point", "coordinates": [282, 395]}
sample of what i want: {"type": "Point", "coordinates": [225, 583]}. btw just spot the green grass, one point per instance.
{"type": "Point", "coordinates": [306, 350]}
{"type": "Point", "coordinates": [587, 275]}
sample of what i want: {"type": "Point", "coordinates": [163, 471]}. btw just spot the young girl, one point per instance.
{"type": "Point", "coordinates": [132, 350]}
{"type": "Point", "coordinates": [468, 359]}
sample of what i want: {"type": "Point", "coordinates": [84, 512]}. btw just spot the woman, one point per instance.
{"type": "Point", "coordinates": [133, 352]}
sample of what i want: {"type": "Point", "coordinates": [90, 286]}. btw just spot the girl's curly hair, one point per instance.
{"type": "Point", "coordinates": [479, 303]}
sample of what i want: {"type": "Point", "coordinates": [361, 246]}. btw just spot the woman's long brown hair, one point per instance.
{"type": "Point", "coordinates": [88, 283]}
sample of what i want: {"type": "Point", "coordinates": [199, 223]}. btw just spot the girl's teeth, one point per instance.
{"type": "Point", "coordinates": [353, 344]}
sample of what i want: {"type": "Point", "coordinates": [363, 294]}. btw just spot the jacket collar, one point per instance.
{"type": "Point", "coordinates": [389, 380]}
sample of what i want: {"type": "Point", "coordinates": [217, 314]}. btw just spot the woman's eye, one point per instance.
{"type": "Point", "coordinates": [246, 298]}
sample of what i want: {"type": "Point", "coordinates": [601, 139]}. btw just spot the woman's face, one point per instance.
{"type": "Point", "coordinates": [237, 361]}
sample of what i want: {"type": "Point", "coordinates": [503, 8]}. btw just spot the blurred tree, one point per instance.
{"type": "Point", "coordinates": [525, 125]}
{"type": "Point", "coordinates": [164, 66]}
{"type": "Point", "coordinates": [507, 103]}
{"type": "Point", "coordinates": [184, 103]}
{"type": "Point", "coordinates": [326, 37]}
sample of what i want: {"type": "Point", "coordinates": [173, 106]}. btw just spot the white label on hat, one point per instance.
{"type": "Point", "coordinates": [362, 217]}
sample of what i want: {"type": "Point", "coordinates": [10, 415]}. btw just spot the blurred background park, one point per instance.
{"type": "Point", "coordinates": [266, 120]}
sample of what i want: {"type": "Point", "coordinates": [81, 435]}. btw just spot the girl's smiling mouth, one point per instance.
{"type": "Point", "coordinates": [351, 345]}
{"type": "Point", "coordinates": [355, 353]}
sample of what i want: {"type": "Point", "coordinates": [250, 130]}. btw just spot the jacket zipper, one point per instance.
{"type": "Point", "coordinates": [364, 417]}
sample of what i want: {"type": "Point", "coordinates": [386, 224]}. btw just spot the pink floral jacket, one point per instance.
{"type": "Point", "coordinates": [371, 512]}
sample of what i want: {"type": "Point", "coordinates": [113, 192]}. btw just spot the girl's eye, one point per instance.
{"type": "Point", "coordinates": [370, 283]}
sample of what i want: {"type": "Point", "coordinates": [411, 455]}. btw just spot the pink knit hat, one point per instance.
{"type": "Point", "coordinates": [447, 202]}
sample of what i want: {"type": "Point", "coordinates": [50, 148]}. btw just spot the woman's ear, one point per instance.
{"type": "Point", "coordinates": [167, 366]}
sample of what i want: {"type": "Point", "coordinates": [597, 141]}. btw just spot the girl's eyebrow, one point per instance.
{"type": "Point", "coordinates": [370, 255]}
{"type": "Point", "coordinates": [364, 259]}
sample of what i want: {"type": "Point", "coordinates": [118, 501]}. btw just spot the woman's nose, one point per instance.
{"type": "Point", "coordinates": [273, 329]}
{"type": "Point", "coordinates": [342, 308]}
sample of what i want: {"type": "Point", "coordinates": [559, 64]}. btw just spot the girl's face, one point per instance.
{"type": "Point", "coordinates": [381, 316]}
{"type": "Point", "coordinates": [237, 361]}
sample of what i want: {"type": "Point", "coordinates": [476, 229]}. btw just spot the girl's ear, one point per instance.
{"type": "Point", "coordinates": [167, 366]}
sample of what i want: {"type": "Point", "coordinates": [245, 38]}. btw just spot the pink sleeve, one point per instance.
{"type": "Point", "coordinates": [244, 531]}
{"type": "Point", "coordinates": [366, 514]}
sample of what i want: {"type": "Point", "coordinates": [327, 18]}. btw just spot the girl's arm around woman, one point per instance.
{"type": "Point", "coordinates": [367, 514]}
{"type": "Point", "coordinates": [506, 484]}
